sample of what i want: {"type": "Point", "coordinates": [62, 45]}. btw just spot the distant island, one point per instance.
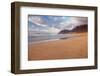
{"type": "Point", "coordinates": [78, 29]}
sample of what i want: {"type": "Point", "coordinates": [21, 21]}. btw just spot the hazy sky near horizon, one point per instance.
{"type": "Point", "coordinates": [54, 24]}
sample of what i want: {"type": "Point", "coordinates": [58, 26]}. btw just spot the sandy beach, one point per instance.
{"type": "Point", "coordinates": [71, 48]}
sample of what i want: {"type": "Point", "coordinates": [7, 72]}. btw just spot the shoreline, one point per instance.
{"type": "Point", "coordinates": [42, 41]}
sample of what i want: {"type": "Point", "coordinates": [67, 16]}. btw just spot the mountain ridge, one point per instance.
{"type": "Point", "coordinates": [81, 28]}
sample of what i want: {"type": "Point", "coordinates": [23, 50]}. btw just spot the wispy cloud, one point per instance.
{"type": "Point", "coordinates": [37, 20]}
{"type": "Point", "coordinates": [72, 22]}
{"type": "Point", "coordinates": [53, 24]}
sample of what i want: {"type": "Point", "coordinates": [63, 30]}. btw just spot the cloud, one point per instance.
{"type": "Point", "coordinates": [40, 24]}
{"type": "Point", "coordinates": [37, 20]}
{"type": "Point", "coordinates": [53, 24]}
{"type": "Point", "coordinates": [72, 22]}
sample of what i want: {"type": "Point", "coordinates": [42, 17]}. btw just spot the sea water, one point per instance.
{"type": "Point", "coordinates": [44, 37]}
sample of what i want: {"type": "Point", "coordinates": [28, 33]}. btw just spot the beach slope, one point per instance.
{"type": "Point", "coordinates": [71, 48]}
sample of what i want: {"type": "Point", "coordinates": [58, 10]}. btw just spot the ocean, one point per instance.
{"type": "Point", "coordinates": [47, 37]}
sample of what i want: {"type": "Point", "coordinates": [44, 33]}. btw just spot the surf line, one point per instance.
{"type": "Point", "coordinates": [43, 41]}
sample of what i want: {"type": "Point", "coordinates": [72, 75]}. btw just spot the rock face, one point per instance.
{"type": "Point", "coordinates": [81, 28]}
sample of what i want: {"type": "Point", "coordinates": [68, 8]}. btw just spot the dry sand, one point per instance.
{"type": "Point", "coordinates": [75, 47]}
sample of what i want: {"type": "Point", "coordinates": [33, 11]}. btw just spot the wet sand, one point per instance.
{"type": "Point", "coordinates": [71, 48]}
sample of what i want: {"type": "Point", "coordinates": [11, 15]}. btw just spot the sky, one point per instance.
{"type": "Point", "coordinates": [54, 24]}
